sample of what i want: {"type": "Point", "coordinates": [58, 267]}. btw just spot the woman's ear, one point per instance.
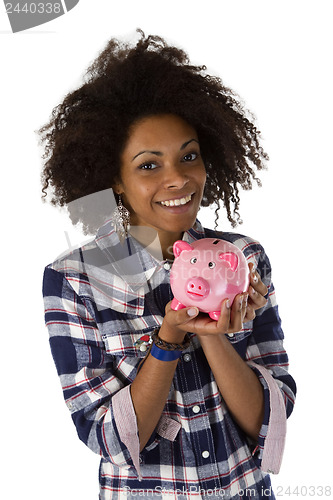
{"type": "Point", "coordinates": [117, 188]}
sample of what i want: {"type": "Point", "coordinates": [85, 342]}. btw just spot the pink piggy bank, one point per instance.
{"type": "Point", "coordinates": [207, 272]}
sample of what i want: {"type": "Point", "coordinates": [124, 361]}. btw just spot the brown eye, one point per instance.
{"type": "Point", "coordinates": [211, 265]}
{"type": "Point", "coordinates": [190, 157]}
{"type": "Point", "coordinates": [148, 166]}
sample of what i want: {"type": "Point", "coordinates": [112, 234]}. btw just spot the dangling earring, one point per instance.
{"type": "Point", "coordinates": [121, 220]}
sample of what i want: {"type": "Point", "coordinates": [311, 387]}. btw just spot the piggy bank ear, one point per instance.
{"type": "Point", "coordinates": [231, 258]}
{"type": "Point", "coordinates": [179, 246]}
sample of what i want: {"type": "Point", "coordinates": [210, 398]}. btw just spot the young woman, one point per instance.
{"type": "Point", "coordinates": [207, 416]}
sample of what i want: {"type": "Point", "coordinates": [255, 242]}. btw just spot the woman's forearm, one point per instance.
{"type": "Point", "coordinates": [149, 392]}
{"type": "Point", "coordinates": [151, 386]}
{"type": "Point", "coordinates": [238, 384]}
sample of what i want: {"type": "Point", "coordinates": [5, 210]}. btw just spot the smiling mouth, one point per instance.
{"type": "Point", "coordinates": [177, 202]}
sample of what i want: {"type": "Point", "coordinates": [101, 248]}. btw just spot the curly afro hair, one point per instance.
{"type": "Point", "coordinates": [88, 130]}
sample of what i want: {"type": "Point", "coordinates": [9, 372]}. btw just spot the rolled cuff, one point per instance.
{"type": "Point", "coordinates": [125, 418]}
{"type": "Point", "coordinates": [276, 428]}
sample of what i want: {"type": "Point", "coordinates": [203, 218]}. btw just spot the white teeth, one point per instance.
{"type": "Point", "coordinates": [173, 203]}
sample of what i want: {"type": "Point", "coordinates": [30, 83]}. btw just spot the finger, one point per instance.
{"type": "Point", "coordinates": [223, 322]}
{"type": "Point", "coordinates": [255, 281]}
{"type": "Point", "coordinates": [256, 299]}
{"type": "Point", "coordinates": [244, 305]}
{"type": "Point", "coordinates": [237, 314]}
{"type": "Point", "coordinates": [250, 313]}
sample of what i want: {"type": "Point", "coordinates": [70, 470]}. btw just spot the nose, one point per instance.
{"type": "Point", "coordinates": [175, 177]}
{"type": "Point", "coordinates": [197, 288]}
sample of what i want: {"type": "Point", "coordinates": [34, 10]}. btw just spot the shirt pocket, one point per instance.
{"type": "Point", "coordinates": [128, 343]}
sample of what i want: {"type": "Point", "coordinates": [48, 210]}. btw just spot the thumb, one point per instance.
{"type": "Point", "coordinates": [174, 323]}
{"type": "Point", "coordinates": [191, 312]}
{"type": "Point", "coordinates": [185, 315]}
{"type": "Point", "coordinates": [181, 316]}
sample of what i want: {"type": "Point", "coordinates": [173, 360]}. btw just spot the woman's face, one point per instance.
{"type": "Point", "coordinates": [162, 174]}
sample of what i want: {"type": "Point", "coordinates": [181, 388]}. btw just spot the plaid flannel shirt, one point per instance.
{"type": "Point", "coordinates": [100, 300]}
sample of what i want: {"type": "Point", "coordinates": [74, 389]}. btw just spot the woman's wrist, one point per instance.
{"type": "Point", "coordinates": [167, 351]}
{"type": "Point", "coordinates": [164, 355]}
{"type": "Point", "coordinates": [170, 346]}
{"type": "Point", "coordinates": [171, 335]}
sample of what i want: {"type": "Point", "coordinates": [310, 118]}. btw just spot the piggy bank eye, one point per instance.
{"type": "Point", "coordinates": [211, 265]}
{"type": "Point", "coordinates": [193, 260]}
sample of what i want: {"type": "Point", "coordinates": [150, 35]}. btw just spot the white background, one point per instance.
{"type": "Point", "coordinates": [277, 55]}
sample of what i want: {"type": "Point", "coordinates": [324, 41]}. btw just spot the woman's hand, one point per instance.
{"type": "Point", "coordinates": [177, 323]}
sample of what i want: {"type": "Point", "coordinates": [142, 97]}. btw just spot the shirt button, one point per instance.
{"type": "Point", "coordinates": [167, 266]}
{"type": "Point", "coordinates": [231, 335]}
{"type": "Point", "coordinates": [196, 409]}
{"type": "Point", "coordinates": [143, 348]}
{"type": "Point", "coordinates": [187, 357]}
{"type": "Point", "coordinates": [205, 454]}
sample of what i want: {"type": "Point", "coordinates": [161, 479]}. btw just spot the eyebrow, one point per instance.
{"type": "Point", "coordinates": [159, 153]}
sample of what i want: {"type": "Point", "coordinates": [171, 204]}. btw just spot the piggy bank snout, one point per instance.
{"type": "Point", "coordinates": [197, 288]}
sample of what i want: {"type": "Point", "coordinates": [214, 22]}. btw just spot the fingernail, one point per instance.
{"type": "Point", "coordinates": [246, 296]}
{"type": "Point", "coordinates": [192, 312]}
{"type": "Point", "coordinates": [227, 304]}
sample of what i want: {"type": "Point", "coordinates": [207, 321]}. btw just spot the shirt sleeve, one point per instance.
{"type": "Point", "coordinates": [88, 374]}
{"type": "Point", "coordinates": [267, 357]}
